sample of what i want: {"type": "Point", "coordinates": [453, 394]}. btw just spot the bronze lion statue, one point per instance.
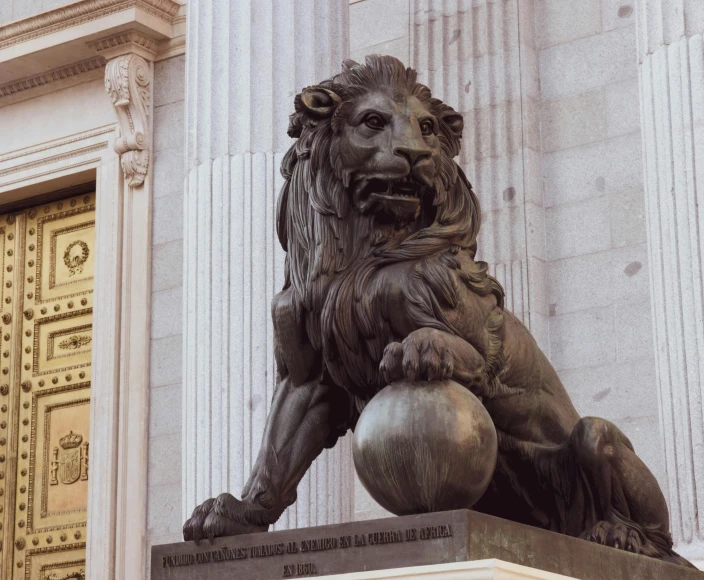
{"type": "Point", "coordinates": [380, 226]}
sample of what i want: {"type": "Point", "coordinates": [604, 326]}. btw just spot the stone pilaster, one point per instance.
{"type": "Point", "coordinates": [671, 57]}
{"type": "Point", "coordinates": [246, 61]}
{"type": "Point", "coordinates": [480, 58]}
{"type": "Point", "coordinates": [120, 418]}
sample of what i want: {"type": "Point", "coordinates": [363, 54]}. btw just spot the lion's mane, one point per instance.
{"type": "Point", "coordinates": [333, 250]}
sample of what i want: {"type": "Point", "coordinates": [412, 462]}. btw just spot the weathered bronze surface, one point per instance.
{"type": "Point", "coordinates": [380, 228]}
{"type": "Point", "coordinates": [399, 542]}
{"type": "Point", "coordinates": [429, 448]}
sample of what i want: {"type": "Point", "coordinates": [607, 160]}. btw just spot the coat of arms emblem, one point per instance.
{"type": "Point", "coordinates": [70, 463]}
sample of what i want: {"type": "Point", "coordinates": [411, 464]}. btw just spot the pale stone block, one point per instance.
{"type": "Point", "coordinates": [494, 245]}
{"type": "Point", "coordinates": [578, 228]}
{"type": "Point", "coordinates": [169, 80]}
{"type": "Point", "coordinates": [694, 18]}
{"type": "Point", "coordinates": [489, 79]}
{"type": "Point", "coordinates": [166, 361]}
{"type": "Point", "coordinates": [621, 101]}
{"type": "Point", "coordinates": [560, 21]}
{"type": "Point", "coordinates": [635, 329]}
{"type": "Point", "coordinates": [164, 460]}
{"type": "Point", "coordinates": [598, 280]}
{"type": "Point", "coordinates": [493, 131]}
{"type": "Point", "coordinates": [365, 507]}
{"type": "Point", "coordinates": [616, 391]}
{"type": "Point", "coordinates": [582, 338]}
{"type": "Point", "coordinates": [474, 570]}
{"type": "Point", "coordinates": [536, 224]}
{"type": "Point", "coordinates": [627, 213]}
{"type": "Point", "coordinates": [618, 13]}
{"type": "Point", "coordinates": [165, 411]}
{"type": "Point", "coordinates": [495, 24]}
{"type": "Point", "coordinates": [167, 219]}
{"type": "Point", "coordinates": [588, 63]}
{"type": "Point", "coordinates": [164, 509]}
{"type": "Point", "coordinates": [530, 66]}
{"type": "Point", "coordinates": [644, 433]}
{"type": "Point", "coordinates": [5, 12]}
{"type": "Point", "coordinates": [375, 21]}
{"type": "Point", "coordinates": [540, 330]}
{"type": "Point", "coordinates": [168, 172]}
{"type": "Point", "coordinates": [399, 47]}
{"type": "Point", "coordinates": [497, 182]}
{"type": "Point", "coordinates": [533, 176]}
{"type": "Point", "coordinates": [167, 265]}
{"type": "Point", "coordinates": [592, 170]}
{"type": "Point", "coordinates": [537, 282]}
{"type": "Point", "coordinates": [40, 113]}
{"type": "Point", "coordinates": [571, 121]}
{"type": "Point", "coordinates": [167, 307]}
{"type": "Point", "coordinates": [169, 126]}
{"type": "Point", "coordinates": [25, 8]}
{"type": "Point", "coordinates": [531, 123]}
{"type": "Point", "coordinates": [527, 24]}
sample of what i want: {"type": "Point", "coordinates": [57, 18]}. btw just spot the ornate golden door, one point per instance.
{"type": "Point", "coordinates": [45, 345]}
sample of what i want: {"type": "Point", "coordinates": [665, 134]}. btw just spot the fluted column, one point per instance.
{"type": "Point", "coordinates": [479, 57]}
{"type": "Point", "coordinates": [246, 61]}
{"type": "Point", "coordinates": [671, 56]}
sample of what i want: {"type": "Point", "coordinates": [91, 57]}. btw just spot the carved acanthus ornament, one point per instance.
{"type": "Point", "coordinates": [127, 81]}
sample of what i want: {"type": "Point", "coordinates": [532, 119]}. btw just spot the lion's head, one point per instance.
{"type": "Point", "coordinates": [371, 175]}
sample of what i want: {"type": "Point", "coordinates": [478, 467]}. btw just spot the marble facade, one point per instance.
{"type": "Point", "coordinates": [583, 139]}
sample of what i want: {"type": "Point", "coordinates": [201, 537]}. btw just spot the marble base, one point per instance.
{"type": "Point", "coordinates": [477, 570]}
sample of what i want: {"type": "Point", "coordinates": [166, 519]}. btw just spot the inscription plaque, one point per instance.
{"type": "Point", "coordinates": [416, 540]}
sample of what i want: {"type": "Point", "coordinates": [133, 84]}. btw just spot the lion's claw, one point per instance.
{"type": "Point", "coordinates": [224, 515]}
{"type": "Point", "coordinates": [423, 355]}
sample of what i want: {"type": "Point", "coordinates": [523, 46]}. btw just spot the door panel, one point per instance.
{"type": "Point", "coordinates": [47, 310]}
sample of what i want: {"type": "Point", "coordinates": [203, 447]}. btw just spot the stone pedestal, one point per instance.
{"type": "Point", "coordinates": [671, 55]}
{"type": "Point", "coordinates": [246, 62]}
{"type": "Point", "coordinates": [385, 545]}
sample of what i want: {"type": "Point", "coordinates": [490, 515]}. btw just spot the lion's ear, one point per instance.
{"type": "Point", "coordinates": [455, 122]}
{"type": "Point", "coordinates": [318, 101]}
{"type": "Point", "coordinates": [452, 119]}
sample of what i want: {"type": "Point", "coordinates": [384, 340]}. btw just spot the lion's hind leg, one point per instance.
{"type": "Point", "coordinates": [628, 510]}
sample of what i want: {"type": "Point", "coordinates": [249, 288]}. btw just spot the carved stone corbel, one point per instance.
{"type": "Point", "coordinates": [128, 82]}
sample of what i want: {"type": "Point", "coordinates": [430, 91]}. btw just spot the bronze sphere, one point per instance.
{"type": "Point", "coordinates": [425, 446]}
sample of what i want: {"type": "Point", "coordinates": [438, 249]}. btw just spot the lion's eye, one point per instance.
{"type": "Point", "coordinates": [426, 127]}
{"type": "Point", "coordinates": [374, 122]}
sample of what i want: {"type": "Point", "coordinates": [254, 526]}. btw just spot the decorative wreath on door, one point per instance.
{"type": "Point", "coordinates": [74, 263]}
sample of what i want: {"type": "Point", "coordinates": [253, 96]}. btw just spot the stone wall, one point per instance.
{"type": "Point", "coordinates": [597, 275]}
{"type": "Point", "coordinates": [164, 485]}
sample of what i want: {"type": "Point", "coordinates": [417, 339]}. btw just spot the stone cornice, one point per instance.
{"type": "Point", "coordinates": [79, 13]}
{"type": "Point", "coordinates": [130, 41]}
{"type": "Point", "coordinates": [58, 74]}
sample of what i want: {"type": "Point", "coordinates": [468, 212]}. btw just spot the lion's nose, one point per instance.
{"type": "Point", "coordinates": [412, 153]}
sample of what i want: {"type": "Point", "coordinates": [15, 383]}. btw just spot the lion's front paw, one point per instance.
{"type": "Point", "coordinates": [224, 515]}
{"type": "Point", "coordinates": [425, 354]}
{"type": "Point", "coordinates": [616, 535]}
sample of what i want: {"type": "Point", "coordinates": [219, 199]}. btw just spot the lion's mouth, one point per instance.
{"type": "Point", "coordinates": [399, 197]}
